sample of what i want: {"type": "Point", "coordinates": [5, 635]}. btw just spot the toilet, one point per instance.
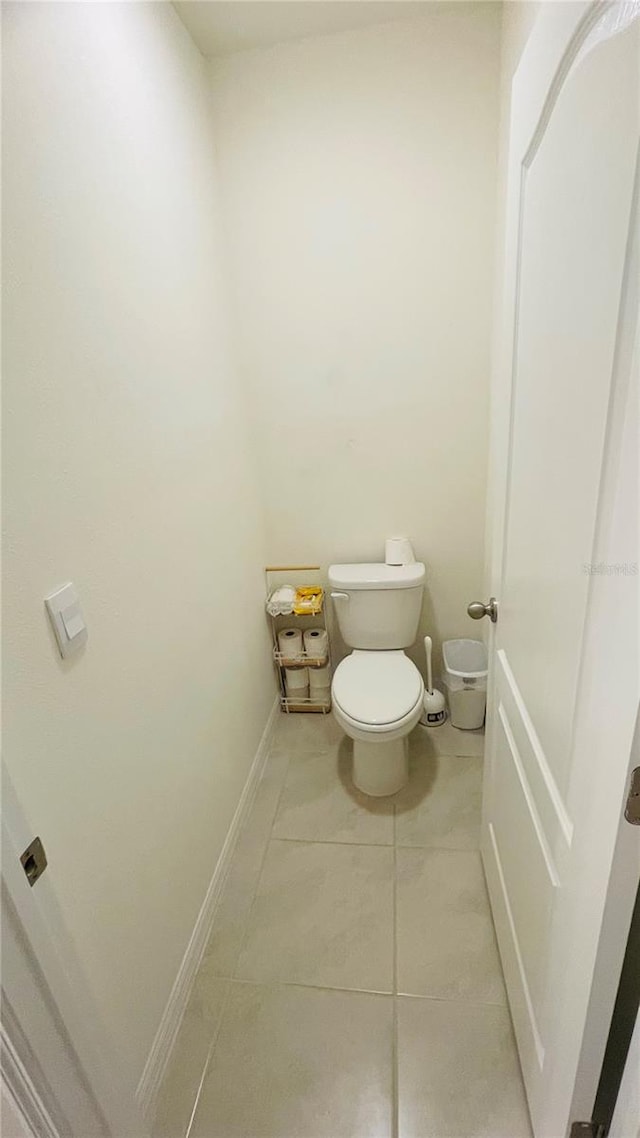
{"type": "Point", "coordinates": [377, 691]}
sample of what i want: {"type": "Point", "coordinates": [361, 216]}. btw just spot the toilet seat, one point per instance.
{"type": "Point", "coordinates": [377, 692]}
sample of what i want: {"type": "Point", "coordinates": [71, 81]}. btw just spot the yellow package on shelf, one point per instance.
{"type": "Point", "coordinates": [308, 600]}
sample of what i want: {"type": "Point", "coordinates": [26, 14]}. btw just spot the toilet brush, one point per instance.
{"type": "Point", "coordinates": [433, 713]}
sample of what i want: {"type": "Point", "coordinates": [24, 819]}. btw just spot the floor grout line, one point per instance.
{"type": "Point", "coordinates": [376, 845]}
{"type": "Point", "coordinates": [229, 979]}
{"type": "Point", "coordinates": [386, 993]}
{"type": "Point", "coordinates": [245, 934]}
{"type": "Point", "coordinates": [207, 1061]}
{"type": "Point", "coordinates": [395, 1094]}
{"type": "Point", "coordinates": [395, 1075]}
{"type": "Point", "coordinates": [331, 842]}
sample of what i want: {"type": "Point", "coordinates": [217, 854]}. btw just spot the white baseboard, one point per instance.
{"type": "Point", "coordinates": [162, 1046]}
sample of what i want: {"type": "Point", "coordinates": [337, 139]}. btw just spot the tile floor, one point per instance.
{"type": "Point", "coordinates": [351, 987]}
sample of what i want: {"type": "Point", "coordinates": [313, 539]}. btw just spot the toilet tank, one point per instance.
{"type": "Point", "coordinates": [377, 606]}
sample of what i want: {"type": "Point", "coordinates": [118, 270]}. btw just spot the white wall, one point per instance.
{"type": "Point", "coordinates": [127, 471]}
{"type": "Point", "coordinates": [358, 184]}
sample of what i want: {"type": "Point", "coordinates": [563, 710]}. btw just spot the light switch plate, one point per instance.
{"type": "Point", "coordinates": [66, 618]}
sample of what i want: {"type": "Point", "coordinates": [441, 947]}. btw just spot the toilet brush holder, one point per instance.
{"type": "Point", "coordinates": [434, 710]}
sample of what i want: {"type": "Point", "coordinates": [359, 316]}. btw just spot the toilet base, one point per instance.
{"type": "Point", "coordinates": [380, 769]}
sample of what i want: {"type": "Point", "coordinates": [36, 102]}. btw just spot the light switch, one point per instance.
{"type": "Point", "coordinates": [66, 619]}
{"type": "Point", "coordinates": [72, 620]}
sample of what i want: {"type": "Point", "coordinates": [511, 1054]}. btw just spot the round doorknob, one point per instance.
{"type": "Point", "coordinates": [478, 609]}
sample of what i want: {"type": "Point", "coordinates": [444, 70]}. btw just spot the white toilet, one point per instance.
{"type": "Point", "coordinates": [377, 691]}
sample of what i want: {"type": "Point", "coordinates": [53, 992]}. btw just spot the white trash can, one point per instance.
{"type": "Point", "coordinates": [465, 681]}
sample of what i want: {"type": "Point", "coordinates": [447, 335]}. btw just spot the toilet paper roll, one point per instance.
{"type": "Point", "coordinates": [398, 551]}
{"type": "Point", "coordinates": [296, 681]}
{"type": "Point", "coordinates": [290, 643]}
{"type": "Point", "coordinates": [298, 695]}
{"type": "Point", "coordinates": [319, 678]}
{"type": "Point", "coordinates": [316, 643]}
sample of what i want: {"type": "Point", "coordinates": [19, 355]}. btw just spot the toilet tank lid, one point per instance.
{"type": "Point", "coordinates": [376, 576]}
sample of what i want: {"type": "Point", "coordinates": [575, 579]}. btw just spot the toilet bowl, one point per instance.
{"type": "Point", "coordinates": [377, 700]}
{"type": "Point", "coordinates": [377, 691]}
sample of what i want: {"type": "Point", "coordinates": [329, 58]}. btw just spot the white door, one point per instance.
{"type": "Point", "coordinates": [57, 1062]}
{"type": "Point", "coordinates": [564, 693]}
{"type": "Point", "coordinates": [43, 1077]}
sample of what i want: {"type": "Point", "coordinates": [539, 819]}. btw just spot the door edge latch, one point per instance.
{"type": "Point", "coordinates": [632, 806]}
{"type": "Point", "coordinates": [34, 861]}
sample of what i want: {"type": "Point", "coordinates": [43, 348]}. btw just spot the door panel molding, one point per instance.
{"type": "Point", "coordinates": [530, 1045]}
{"type": "Point", "coordinates": [550, 803]}
{"type": "Point", "coordinates": [34, 1104]}
{"type": "Point", "coordinates": [589, 32]}
{"type": "Point", "coordinates": [525, 788]}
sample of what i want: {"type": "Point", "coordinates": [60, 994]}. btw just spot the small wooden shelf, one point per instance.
{"type": "Point", "coordinates": [302, 661]}
{"type": "Point", "coordinates": [306, 706]}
